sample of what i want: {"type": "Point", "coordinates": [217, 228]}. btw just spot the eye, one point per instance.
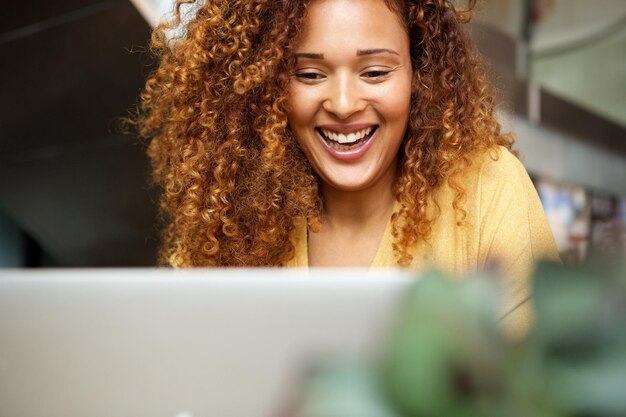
{"type": "Point", "coordinates": [309, 77]}
{"type": "Point", "coordinates": [375, 74]}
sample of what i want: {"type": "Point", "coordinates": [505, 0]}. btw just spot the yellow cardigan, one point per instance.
{"type": "Point", "coordinates": [505, 224]}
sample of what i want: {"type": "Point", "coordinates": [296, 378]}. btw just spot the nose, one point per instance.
{"type": "Point", "coordinates": [344, 97]}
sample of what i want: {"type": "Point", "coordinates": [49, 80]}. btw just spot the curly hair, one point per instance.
{"type": "Point", "coordinates": [234, 180]}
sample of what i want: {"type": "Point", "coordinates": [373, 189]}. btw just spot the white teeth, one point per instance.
{"type": "Point", "coordinates": [350, 138]}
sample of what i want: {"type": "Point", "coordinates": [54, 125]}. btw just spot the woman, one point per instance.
{"type": "Point", "coordinates": [336, 133]}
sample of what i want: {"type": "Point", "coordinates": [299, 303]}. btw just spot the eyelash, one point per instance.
{"type": "Point", "coordinates": [308, 76]}
{"type": "Point", "coordinates": [314, 76]}
{"type": "Point", "coordinates": [379, 74]}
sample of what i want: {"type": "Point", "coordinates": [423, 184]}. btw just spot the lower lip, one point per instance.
{"type": "Point", "coordinates": [354, 153]}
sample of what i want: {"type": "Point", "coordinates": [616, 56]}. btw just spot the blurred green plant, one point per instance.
{"type": "Point", "coordinates": [447, 356]}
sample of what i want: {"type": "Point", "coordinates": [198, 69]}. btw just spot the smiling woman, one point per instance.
{"type": "Point", "coordinates": [335, 133]}
{"type": "Point", "coordinates": [348, 107]}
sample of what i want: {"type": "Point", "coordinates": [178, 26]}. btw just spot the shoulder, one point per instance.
{"type": "Point", "coordinates": [495, 173]}
{"type": "Point", "coordinates": [503, 185]}
{"type": "Point", "coordinates": [507, 207]}
{"type": "Point", "coordinates": [496, 165]}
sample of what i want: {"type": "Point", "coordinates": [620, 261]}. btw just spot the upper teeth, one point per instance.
{"type": "Point", "coordinates": [346, 138]}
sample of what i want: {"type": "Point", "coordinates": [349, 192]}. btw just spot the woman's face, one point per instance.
{"type": "Point", "coordinates": [349, 96]}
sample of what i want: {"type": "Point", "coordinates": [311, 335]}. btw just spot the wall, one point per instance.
{"type": "Point", "coordinates": [565, 158]}
{"type": "Point", "coordinates": [12, 243]}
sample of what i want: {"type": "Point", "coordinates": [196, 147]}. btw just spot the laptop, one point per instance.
{"type": "Point", "coordinates": [181, 343]}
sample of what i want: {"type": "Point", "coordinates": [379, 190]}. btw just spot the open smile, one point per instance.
{"type": "Point", "coordinates": [347, 143]}
{"type": "Point", "coordinates": [346, 140]}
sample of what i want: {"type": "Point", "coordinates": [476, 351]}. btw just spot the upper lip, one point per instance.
{"type": "Point", "coordinates": [346, 128]}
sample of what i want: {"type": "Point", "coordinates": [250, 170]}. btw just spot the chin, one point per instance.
{"type": "Point", "coordinates": [347, 185]}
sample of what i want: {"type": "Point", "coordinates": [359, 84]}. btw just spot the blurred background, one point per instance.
{"type": "Point", "coordinates": [74, 190]}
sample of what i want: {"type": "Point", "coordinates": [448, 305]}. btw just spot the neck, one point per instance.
{"type": "Point", "coordinates": [359, 208]}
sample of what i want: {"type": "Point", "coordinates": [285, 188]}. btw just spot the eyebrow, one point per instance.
{"type": "Point", "coordinates": [362, 52]}
{"type": "Point", "coordinates": [309, 55]}
{"type": "Point", "coordinates": [359, 52]}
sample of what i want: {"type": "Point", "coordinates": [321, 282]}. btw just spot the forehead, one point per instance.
{"type": "Point", "coordinates": [360, 24]}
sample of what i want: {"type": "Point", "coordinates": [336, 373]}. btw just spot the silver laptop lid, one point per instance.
{"type": "Point", "coordinates": [193, 343]}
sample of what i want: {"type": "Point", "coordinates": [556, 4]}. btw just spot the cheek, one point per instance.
{"type": "Point", "coordinates": [298, 117]}
{"type": "Point", "coordinates": [395, 101]}
{"type": "Point", "coordinates": [397, 108]}
{"type": "Point", "coordinates": [300, 108]}
{"type": "Point", "coordinates": [402, 102]}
